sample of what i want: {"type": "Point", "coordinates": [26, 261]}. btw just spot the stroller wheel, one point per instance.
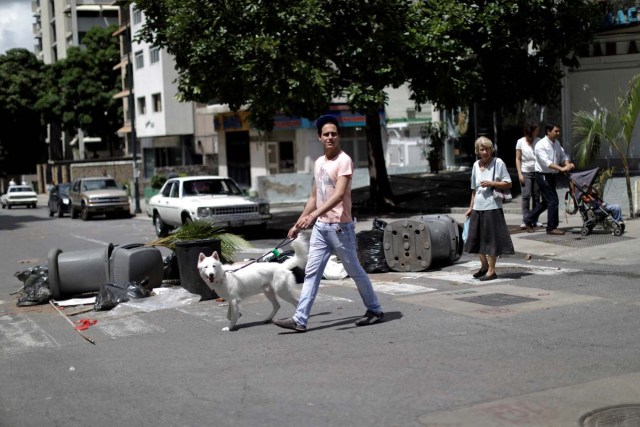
{"type": "Point", "coordinates": [617, 231]}
{"type": "Point", "coordinates": [585, 231]}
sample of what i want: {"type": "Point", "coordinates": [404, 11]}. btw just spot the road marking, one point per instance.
{"type": "Point", "coordinates": [128, 326]}
{"type": "Point", "coordinates": [19, 334]}
{"type": "Point", "coordinates": [90, 240]}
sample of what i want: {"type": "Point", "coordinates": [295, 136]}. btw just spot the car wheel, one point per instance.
{"type": "Point", "coordinates": [187, 220]}
{"type": "Point", "coordinates": [60, 211]}
{"type": "Point", "coordinates": [162, 230]}
{"type": "Point", "coordinates": [84, 213]}
{"type": "Point", "coordinates": [8, 206]}
{"type": "Point", "coordinates": [73, 212]}
{"type": "Point", "coordinates": [50, 212]}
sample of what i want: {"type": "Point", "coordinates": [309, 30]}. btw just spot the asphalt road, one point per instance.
{"type": "Point", "coordinates": [546, 344]}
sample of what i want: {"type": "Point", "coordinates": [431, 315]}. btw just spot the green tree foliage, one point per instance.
{"type": "Point", "coordinates": [22, 137]}
{"type": "Point", "coordinates": [295, 56]}
{"type": "Point", "coordinates": [498, 53]}
{"type": "Point", "coordinates": [592, 129]}
{"type": "Point", "coordinates": [80, 88]}
{"type": "Point", "coordinates": [286, 56]}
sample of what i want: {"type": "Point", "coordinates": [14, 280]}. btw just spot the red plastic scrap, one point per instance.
{"type": "Point", "coordinates": [84, 324]}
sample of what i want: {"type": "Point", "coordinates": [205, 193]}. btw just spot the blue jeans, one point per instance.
{"type": "Point", "coordinates": [615, 211]}
{"type": "Point", "coordinates": [340, 239]}
{"type": "Point", "coordinates": [547, 184]}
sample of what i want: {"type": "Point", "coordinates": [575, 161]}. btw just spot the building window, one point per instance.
{"type": "Point", "coordinates": [139, 59]}
{"type": "Point", "coordinates": [157, 102]}
{"type": "Point", "coordinates": [142, 106]}
{"type": "Point", "coordinates": [154, 54]}
{"type": "Point", "coordinates": [137, 15]}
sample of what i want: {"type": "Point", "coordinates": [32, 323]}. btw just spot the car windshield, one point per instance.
{"type": "Point", "coordinates": [210, 187]}
{"type": "Point", "coordinates": [99, 184]}
{"type": "Point", "coordinates": [64, 188]}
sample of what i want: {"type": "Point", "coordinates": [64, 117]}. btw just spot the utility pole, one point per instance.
{"type": "Point", "coordinates": [132, 119]}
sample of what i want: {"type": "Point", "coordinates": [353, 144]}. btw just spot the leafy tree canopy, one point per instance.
{"type": "Point", "coordinates": [498, 52]}
{"type": "Point", "coordinates": [290, 56]}
{"type": "Point", "coordinates": [80, 88]}
{"type": "Point", "coordinates": [21, 141]}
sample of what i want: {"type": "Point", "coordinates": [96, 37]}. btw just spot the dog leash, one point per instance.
{"type": "Point", "coordinates": [275, 251]}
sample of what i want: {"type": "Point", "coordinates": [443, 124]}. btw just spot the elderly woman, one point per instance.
{"type": "Point", "coordinates": [488, 234]}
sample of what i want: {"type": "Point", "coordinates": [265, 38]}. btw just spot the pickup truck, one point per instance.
{"type": "Point", "coordinates": [98, 196]}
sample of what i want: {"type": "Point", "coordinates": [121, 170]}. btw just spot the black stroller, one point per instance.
{"type": "Point", "coordinates": [582, 198]}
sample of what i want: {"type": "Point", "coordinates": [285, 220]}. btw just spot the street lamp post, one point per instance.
{"type": "Point", "coordinates": [132, 120]}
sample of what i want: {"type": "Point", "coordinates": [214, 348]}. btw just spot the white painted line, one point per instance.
{"type": "Point", "coordinates": [90, 240]}
{"type": "Point", "coordinates": [331, 298]}
{"type": "Point", "coordinates": [128, 326]}
{"type": "Point", "coordinates": [392, 288]}
{"type": "Point", "coordinates": [19, 334]}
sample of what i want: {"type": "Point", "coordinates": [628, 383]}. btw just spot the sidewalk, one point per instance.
{"type": "Point", "coordinates": [448, 194]}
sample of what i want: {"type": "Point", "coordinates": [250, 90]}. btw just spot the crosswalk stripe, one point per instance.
{"type": "Point", "coordinates": [19, 334]}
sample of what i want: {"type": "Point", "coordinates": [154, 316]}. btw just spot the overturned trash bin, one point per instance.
{"type": "Point", "coordinates": [79, 272]}
{"type": "Point", "coordinates": [187, 252]}
{"type": "Point", "coordinates": [414, 244]}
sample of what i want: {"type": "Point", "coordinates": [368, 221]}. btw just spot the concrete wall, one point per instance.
{"type": "Point", "coordinates": [296, 187]}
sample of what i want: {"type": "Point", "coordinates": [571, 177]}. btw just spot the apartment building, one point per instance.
{"type": "Point", "coordinates": [164, 126]}
{"type": "Point", "coordinates": [606, 68]}
{"type": "Point", "coordinates": [59, 25]}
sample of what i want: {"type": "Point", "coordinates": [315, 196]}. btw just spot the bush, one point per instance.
{"type": "Point", "coordinates": [157, 181]}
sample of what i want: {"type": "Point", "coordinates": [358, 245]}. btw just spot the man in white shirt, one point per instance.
{"type": "Point", "coordinates": [550, 159]}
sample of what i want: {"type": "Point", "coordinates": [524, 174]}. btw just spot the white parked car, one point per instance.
{"type": "Point", "coordinates": [19, 195]}
{"type": "Point", "coordinates": [211, 198]}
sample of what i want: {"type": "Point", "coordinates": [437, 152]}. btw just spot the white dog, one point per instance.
{"type": "Point", "coordinates": [270, 278]}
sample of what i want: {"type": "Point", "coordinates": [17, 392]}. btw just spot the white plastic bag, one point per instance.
{"type": "Point", "coordinates": [465, 229]}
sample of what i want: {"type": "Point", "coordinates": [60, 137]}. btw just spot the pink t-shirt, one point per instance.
{"type": "Point", "coordinates": [326, 173]}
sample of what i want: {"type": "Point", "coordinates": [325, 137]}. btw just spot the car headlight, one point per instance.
{"type": "Point", "coordinates": [263, 208]}
{"type": "Point", "coordinates": [204, 213]}
{"type": "Point", "coordinates": [65, 200]}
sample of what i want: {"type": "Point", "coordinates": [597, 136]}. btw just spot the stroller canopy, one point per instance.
{"type": "Point", "coordinates": [583, 181]}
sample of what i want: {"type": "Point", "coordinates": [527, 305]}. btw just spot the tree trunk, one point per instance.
{"type": "Point", "coordinates": [632, 214]}
{"type": "Point", "coordinates": [380, 194]}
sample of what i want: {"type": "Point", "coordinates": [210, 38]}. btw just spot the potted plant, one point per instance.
{"type": "Point", "coordinates": [433, 134]}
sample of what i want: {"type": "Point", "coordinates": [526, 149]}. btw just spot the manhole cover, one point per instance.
{"type": "Point", "coordinates": [613, 416]}
{"type": "Point", "coordinates": [576, 240]}
{"type": "Point", "coordinates": [497, 300]}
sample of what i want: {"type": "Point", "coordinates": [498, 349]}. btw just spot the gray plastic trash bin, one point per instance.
{"type": "Point", "coordinates": [415, 243]}
{"type": "Point", "coordinates": [187, 253]}
{"type": "Point", "coordinates": [134, 262]}
{"type": "Point", "coordinates": [78, 272]}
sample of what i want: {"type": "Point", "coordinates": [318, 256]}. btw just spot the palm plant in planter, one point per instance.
{"type": "Point", "coordinates": [202, 230]}
{"type": "Point", "coordinates": [433, 135]}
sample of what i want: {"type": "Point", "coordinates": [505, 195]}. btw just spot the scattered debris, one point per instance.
{"type": "Point", "coordinates": [36, 286]}
{"type": "Point", "coordinates": [72, 324]}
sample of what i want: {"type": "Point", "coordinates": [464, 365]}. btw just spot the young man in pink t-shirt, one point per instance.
{"type": "Point", "coordinates": [328, 210]}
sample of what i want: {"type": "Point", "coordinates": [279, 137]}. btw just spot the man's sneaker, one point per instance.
{"type": "Point", "coordinates": [369, 318]}
{"type": "Point", "coordinates": [290, 323]}
{"type": "Point", "coordinates": [539, 224]}
{"type": "Point", "coordinates": [523, 226]}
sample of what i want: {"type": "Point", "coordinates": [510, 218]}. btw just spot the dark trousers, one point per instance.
{"type": "Point", "coordinates": [547, 184]}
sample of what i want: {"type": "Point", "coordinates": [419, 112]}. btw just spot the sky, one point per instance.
{"type": "Point", "coordinates": [16, 21]}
